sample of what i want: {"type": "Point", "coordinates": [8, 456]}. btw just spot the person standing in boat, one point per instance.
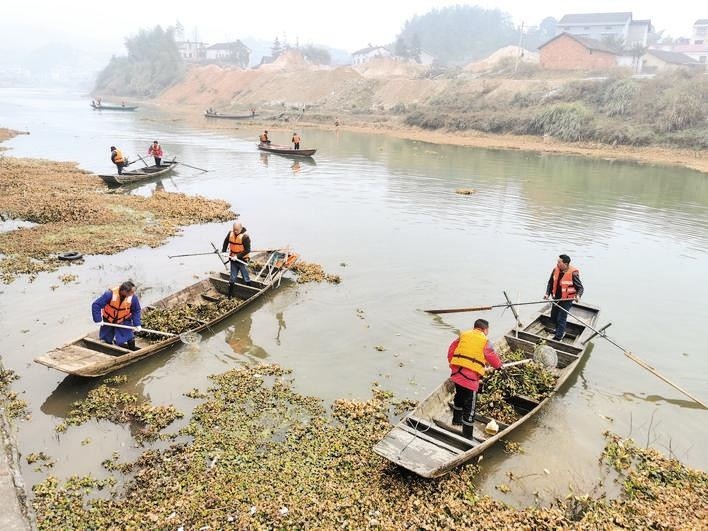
{"type": "Point", "coordinates": [119, 305]}
{"type": "Point", "coordinates": [295, 140]}
{"type": "Point", "coordinates": [264, 138]}
{"type": "Point", "coordinates": [155, 150]}
{"type": "Point", "coordinates": [564, 284]}
{"type": "Point", "coordinates": [238, 242]}
{"type": "Point", "coordinates": [117, 159]}
{"type": "Point", "coordinates": [468, 357]}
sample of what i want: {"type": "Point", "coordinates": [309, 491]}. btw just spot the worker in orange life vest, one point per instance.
{"type": "Point", "coordinates": [264, 138]}
{"type": "Point", "coordinates": [296, 140]}
{"type": "Point", "coordinates": [468, 357]}
{"type": "Point", "coordinates": [564, 283]}
{"type": "Point", "coordinates": [238, 242]}
{"type": "Point", "coordinates": [117, 159]}
{"type": "Point", "coordinates": [155, 150]}
{"type": "Point", "coordinates": [119, 305]}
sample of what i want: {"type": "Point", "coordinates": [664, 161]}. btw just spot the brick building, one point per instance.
{"type": "Point", "coordinates": [571, 52]}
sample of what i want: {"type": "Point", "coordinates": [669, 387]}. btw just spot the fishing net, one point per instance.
{"type": "Point", "coordinates": [546, 356]}
{"type": "Point", "coordinates": [190, 338]}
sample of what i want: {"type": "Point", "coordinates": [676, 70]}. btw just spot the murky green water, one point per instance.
{"type": "Point", "coordinates": [383, 214]}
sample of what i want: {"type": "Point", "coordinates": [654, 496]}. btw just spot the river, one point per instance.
{"type": "Point", "coordinates": [383, 213]}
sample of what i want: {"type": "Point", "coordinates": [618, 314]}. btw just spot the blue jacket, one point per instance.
{"type": "Point", "coordinates": [111, 334]}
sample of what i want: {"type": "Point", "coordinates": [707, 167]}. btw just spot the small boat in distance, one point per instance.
{"type": "Point", "coordinates": [89, 356]}
{"type": "Point", "coordinates": [286, 150]}
{"type": "Point", "coordinates": [426, 442]}
{"type": "Point", "coordinates": [142, 174]}
{"type": "Point", "coordinates": [215, 114]}
{"type": "Point", "coordinates": [102, 107]}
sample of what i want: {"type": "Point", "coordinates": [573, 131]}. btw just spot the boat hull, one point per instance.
{"type": "Point", "coordinates": [283, 150]}
{"type": "Point", "coordinates": [87, 356]}
{"type": "Point", "coordinates": [150, 172]}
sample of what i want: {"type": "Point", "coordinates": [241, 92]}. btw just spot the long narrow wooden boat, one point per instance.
{"type": "Point", "coordinates": [285, 150]}
{"type": "Point", "coordinates": [103, 107]}
{"type": "Point", "coordinates": [89, 356]}
{"type": "Point", "coordinates": [132, 176]}
{"type": "Point", "coordinates": [426, 442]}
{"type": "Point", "coordinates": [208, 114]}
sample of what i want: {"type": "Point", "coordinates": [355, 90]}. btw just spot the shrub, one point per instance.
{"type": "Point", "coordinates": [398, 108]}
{"type": "Point", "coordinates": [680, 107]}
{"type": "Point", "coordinates": [624, 135]}
{"type": "Point", "coordinates": [620, 98]}
{"type": "Point", "coordinates": [566, 121]}
{"type": "Point", "coordinates": [426, 120]}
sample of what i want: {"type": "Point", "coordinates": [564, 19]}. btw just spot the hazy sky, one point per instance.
{"type": "Point", "coordinates": [343, 24]}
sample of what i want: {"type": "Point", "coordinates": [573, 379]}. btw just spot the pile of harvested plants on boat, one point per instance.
{"type": "Point", "coordinates": [530, 379]}
{"type": "Point", "coordinates": [183, 317]}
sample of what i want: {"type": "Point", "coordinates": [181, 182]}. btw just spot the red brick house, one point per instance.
{"type": "Point", "coordinates": [571, 52]}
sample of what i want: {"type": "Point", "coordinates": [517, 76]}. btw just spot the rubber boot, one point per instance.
{"type": "Point", "coordinates": [231, 290]}
{"type": "Point", "coordinates": [456, 416]}
{"type": "Point", "coordinates": [467, 430]}
{"type": "Point", "coordinates": [132, 346]}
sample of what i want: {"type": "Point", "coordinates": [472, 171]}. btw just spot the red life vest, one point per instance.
{"type": "Point", "coordinates": [155, 151]}
{"type": "Point", "coordinates": [566, 282]}
{"type": "Point", "coordinates": [236, 244]}
{"type": "Point", "coordinates": [117, 311]}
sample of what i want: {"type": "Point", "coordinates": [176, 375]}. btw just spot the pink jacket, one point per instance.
{"type": "Point", "coordinates": [467, 377]}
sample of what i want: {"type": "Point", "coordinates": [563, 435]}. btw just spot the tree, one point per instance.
{"type": "Point", "coordinates": [153, 63]}
{"type": "Point", "coordinates": [179, 31]}
{"type": "Point", "coordinates": [415, 49]}
{"type": "Point", "coordinates": [317, 55]}
{"type": "Point", "coordinates": [538, 35]}
{"type": "Point", "coordinates": [401, 48]}
{"type": "Point", "coordinates": [459, 34]}
{"type": "Point", "coordinates": [276, 49]}
{"type": "Point", "coordinates": [239, 54]}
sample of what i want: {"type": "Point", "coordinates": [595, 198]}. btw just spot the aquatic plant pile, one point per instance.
{"type": "Point", "coordinates": [263, 456]}
{"type": "Point", "coordinates": [311, 272]}
{"type": "Point", "coordinates": [181, 318]}
{"type": "Point", "coordinates": [75, 212]}
{"type": "Point", "coordinates": [530, 379]}
{"type": "Point", "coordinates": [108, 403]}
{"type": "Point", "coordinates": [14, 407]}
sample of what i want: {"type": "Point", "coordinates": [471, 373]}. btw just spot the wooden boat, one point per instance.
{"type": "Point", "coordinates": [426, 442]}
{"type": "Point", "coordinates": [208, 114]}
{"type": "Point", "coordinates": [88, 356]}
{"type": "Point", "coordinates": [132, 176]}
{"type": "Point", "coordinates": [103, 107]}
{"type": "Point", "coordinates": [285, 150]}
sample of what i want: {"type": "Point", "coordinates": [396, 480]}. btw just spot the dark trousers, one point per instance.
{"type": "Point", "coordinates": [120, 166]}
{"type": "Point", "coordinates": [297, 145]}
{"type": "Point", "coordinates": [467, 400]}
{"type": "Point", "coordinates": [158, 160]}
{"type": "Point", "coordinates": [559, 317]}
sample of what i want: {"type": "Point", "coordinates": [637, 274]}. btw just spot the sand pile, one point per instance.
{"type": "Point", "coordinates": [385, 67]}
{"type": "Point", "coordinates": [508, 52]}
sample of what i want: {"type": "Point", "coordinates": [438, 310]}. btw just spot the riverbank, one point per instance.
{"type": "Point", "coordinates": [73, 211]}
{"type": "Point", "coordinates": [393, 126]}
{"type": "Point", "coordinates": [287, 461]}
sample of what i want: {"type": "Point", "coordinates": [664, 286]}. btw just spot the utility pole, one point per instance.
{"type": "Point", "coordinates": [519, 52]}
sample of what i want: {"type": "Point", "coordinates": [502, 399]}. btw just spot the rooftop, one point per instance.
{"type": "Point", "coordinates": [590, 44]}
{"type": "Point", "coordinates": [674, 58]}
{"type": "Point", "coordinates": [595, 18]}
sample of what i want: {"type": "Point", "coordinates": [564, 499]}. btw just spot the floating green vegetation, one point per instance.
{"type": "Point", "coordinates": [107, 403]}
{"type": "Point", "coordinates": [181, 318]}
{"type": "Point", "coordinates": [263, 457]}
{"type": "Point", "coordinates": [531, 380]}
{"type": "Point", "coordinates": [14, 407]}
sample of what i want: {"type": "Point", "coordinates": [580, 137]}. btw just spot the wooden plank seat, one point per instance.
{"type": "Point", "coordinates": [106, 348]}
{"type": "Point", "coordinates": [442, 428]}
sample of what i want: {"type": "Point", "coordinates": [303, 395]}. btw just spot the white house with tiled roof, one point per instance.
{"type": "Point", "coordinates": [607, 26]}
{"type": "Point", "coordinates": [370, 52]}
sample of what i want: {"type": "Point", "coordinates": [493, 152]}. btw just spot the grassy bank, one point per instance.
{"type": "Point", "coordinates": [262, 456]}
{"type": "Point", "coordinates": [74, 212]}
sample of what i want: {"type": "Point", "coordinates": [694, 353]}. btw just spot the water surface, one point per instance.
{"type": "Point", "coordinates": [382, 213]}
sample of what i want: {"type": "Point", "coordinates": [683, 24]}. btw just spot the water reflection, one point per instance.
{"type": "Point", "coordinates": [296, 167]}
{"type": "Point", "coordinates": [238, 337]}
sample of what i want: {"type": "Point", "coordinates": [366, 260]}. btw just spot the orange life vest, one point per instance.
{"type": "Point", "coordinates": [155, 151]}
{"type": "Point", "coordinates": [264, 138]}
{"type": "Point", "coordinates": [566, 282]}
{"type": "Point", "coordinates": [117, 311]}
{"type": "Point", "coordinates": [118, 159]}
{"type": "Point", "coordinates": [470, 351]}
{"type": "Point", "coordinates": [296, 139]}
{"type": "Point", "coordinates": [236, 244]}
